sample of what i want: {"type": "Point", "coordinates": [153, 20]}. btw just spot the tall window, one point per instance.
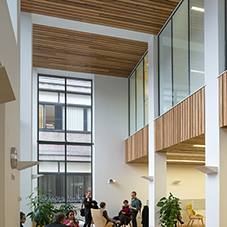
{"type": "Point", "coordinates": [138, 96]}
{"type": "Point", "coordinates": [65, 137]}
{"type": "Point", "coordinates": [181, 54]}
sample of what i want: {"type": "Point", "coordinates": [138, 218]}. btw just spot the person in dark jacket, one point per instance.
{"type": "Point", "coordinates": [59, 219]}
{"type": "Point", "coordinates": [125, 214]}
{"type": "Point", "coordinates": [87, 209]}
{"type": "Point", "coordinates": [145, 216]}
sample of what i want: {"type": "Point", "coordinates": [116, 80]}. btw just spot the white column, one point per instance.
{"type": "Point", "coordinates": [213, 63]}
{"type": "Point", "coordinates": [26, 110]}
{"type": "Point", "coordinates": [157, 161]}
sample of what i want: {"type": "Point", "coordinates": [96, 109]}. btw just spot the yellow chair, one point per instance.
{"type": "Point", "coordinates": [193, 216]}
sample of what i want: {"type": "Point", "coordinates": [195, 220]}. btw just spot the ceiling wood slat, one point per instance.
{"type": "Point", "coordinates": [143, 16]}
{"type": "Point", "coordinates": [64, 49]}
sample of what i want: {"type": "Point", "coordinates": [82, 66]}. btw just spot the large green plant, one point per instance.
{"type": "Point", "coordinates": [169, 210]}
{"type": "Point", "coordinates": [44, 208]}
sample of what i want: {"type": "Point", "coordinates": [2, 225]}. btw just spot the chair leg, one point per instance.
{"type": "Point", "coordinates": [202, 222]}
{"type": "Point", "coordinates": [188, 223]}
{"type": "Point", "coordinates": [192, 222]}
{"type": "Point", "coordinates": [198, 222]}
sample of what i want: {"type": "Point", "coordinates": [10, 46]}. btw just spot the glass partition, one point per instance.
{"type": "Point", "coordinates": [138, 96]}
{"type": "Point", "coordinates": [165, 68]}
{"type": "Point", "coordinates": [181, 54]}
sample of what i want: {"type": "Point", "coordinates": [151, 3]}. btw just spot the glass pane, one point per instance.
{"type": "Point", "coordinates": [180, 53]}
{"type": "Point", "coordinates": [49, 117]}
{"type": "Point", "coordinates": [51, 152]}
{"type": "Point", "coordinates": [196, 45]}
{"type": "Point", "coordinates": [48, 167]}
{"type": "Point", "coordinates": [51, 83]}
{"type": "Point", "coordinates": [77, 186]}
{"type": "Point", "coordinates": [79, 86]}
{"type": "Point", "coordinates": [79, 153]}
{"type": "Point", "coordinates": [54, 185]}
{"type": "Point", "coordinates": [165, 69]}
{"type": "Point", "coordinates": [51, 135]}
{"type": "Point", "coordinates": [132, 85]}
{"type": "Point", "coordinates": [146, 88]}
{"type": "Point", "coordinates": [75, 118]}
{"type": "Point", "coordinates": [45, 96]}
{"type": "Point", "coordinates": [139, 96]}
{"type": "Point", "coordinates": [40, 116]}
{"type": "Point", "coordinates": [76, 99]}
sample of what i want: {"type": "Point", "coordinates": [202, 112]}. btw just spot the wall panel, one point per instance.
{"type": "Point", "coordinates": [136, 147]}
{"type": "Point", "coordinates": [183, 122]}
{"type": "Point", "coordinates": [223, 100]}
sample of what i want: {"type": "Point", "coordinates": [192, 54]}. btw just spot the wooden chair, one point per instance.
{"type": "Point", "coordinates": [99, 220]}
{"type": "Point", "coordinates": [193, 216]}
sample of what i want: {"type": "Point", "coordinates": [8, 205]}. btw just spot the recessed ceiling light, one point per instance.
{"type": "Point", "coordinates": [199, 145]}
{"type": "Point", "coordinates": [197, 9]}
{"type": "Point", "coordinates": [197, 71]}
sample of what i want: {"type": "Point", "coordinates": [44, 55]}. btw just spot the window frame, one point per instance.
{"type": "Point", "coordinates": [65, 142]}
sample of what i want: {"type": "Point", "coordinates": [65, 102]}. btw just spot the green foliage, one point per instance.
{"type": "Point", "coordinates": [44, 207]}
{"type": "Point", "coordinates": [169, 209]}
{"type": "Point", "coordinates": [65, 207]}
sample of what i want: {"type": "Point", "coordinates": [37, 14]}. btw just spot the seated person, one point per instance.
{"type": "Point", "coordinates": [105, 215]}
{"type": "Point", "coordinates": [71, 221]}
{"type": "Point", "coordinates": [22, 219]}
{"type": "Point", "coordinates": [125, 213]}
{"type": "Point", "coordinates": [94, 204]}
{"type": "Point", "coordinates": [59, 219]}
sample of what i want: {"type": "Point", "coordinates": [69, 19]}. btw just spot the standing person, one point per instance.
{"type": "Point", "coordinates": [59, 219]}
{"type": "Point", "coordinates": [71, 221]}
{"type": "Point", "coordinates": [134, 207]}
{"type": "Point", "coordinates": [22, 218]}
{"type": "Point", "coordinates": [87, 211]}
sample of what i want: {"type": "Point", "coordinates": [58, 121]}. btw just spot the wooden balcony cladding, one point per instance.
{"type": "Point", "coordinates": [223, 100]}
{"type": "Point", "coordinates": [136, 147]}
{"type": "Point", "coordinates": [183, 122]}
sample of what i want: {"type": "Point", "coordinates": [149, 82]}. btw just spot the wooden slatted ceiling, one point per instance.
{"type": "Point", "coordinates": [69, 50]}
{"type": "Point", "coordinates": [146, 16]}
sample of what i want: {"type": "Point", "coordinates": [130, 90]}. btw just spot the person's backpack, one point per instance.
{"type": "Point", "coordinates": [140, 204]}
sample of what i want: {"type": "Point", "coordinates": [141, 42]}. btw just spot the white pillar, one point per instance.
{"type": "Point", "coordinates": [157, 161]}
{"type": "Point", "coordinates": [26, 110]}
{"type": "Point", "coordinates": [213, 27]}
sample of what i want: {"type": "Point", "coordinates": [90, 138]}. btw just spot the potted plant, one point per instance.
{"type": "Point", "coordinates": [169, 210]}
{"type": "Point", "coordinates": [44, 208]}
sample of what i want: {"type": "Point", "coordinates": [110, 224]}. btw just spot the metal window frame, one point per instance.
{"type": "Point", "coordinates": [65, 143]}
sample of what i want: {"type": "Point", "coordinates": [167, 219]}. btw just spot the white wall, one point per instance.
{"type": "Point", "coordinates": [110, 131]}
{"type": "Point", "coordinates": [9, 121]}
{"type": "Point", "coordinates": [192, 185]}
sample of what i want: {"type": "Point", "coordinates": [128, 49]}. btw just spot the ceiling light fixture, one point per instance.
{"type": "Point", "coordinates": [199, 145]}
{"type": "Point", "coordinates": [183, 161]}
{"type": "Point", "coordinates": [197, 71]}
{"type": "Point", "coordinates": [197, 9]}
